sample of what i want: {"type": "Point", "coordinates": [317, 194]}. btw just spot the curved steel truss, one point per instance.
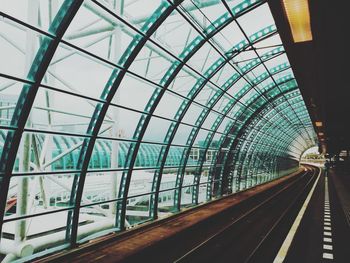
{"type": "Point", "coordinates": [117, 112]}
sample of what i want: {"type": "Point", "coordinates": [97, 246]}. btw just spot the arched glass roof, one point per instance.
{"type": "Point", "coordinates": [118, 112]}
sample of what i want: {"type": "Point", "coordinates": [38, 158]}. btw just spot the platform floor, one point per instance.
{"type": "Point", "coordinates": [324, 232]}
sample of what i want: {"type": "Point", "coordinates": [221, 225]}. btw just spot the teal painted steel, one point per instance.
{"type": "Point", "coordinates": [137, 113]}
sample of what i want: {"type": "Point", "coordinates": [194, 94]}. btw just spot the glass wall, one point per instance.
{"type": "Point", "coordinates": [117, 112]}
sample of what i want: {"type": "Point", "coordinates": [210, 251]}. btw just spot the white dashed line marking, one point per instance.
{"type": "Point", "coordinates": [327, 255]}
{"type": "Point", "coordinates": [328, 247]}
{"type": "Point", "coordinates": [329, 234]}
{"type": "Point", "coordinates": [327, 239]}
{"type": "Point", "coordinates": [327, 230]}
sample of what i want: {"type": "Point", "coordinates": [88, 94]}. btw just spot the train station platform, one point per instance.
{"type": "Point", "coordinates": [324, 234]}
{"type": "Point", "coordinates": [168, 239]}
{"type": "Point", "coordinates": [302, 217]}
{"type": "Point", "coordinates": [118, 113]}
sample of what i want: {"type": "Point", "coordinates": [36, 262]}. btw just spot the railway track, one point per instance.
{"type": "Point", "coordinates": [237, 232]}
{"type": "Point", "coordinates": [257, 234]}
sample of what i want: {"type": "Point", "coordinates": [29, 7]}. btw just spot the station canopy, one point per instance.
{"type": "Point", "coordinates": [118, 112]}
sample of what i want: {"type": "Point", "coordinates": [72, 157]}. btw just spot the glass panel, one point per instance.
{"type": "Point", "coordinates": [9, 93]}
{"type": "Point", "coordinates": [168, 106]}
{"type": "Point", "coordinates": [175, 156]}
{"type": "Point", "coordinates": [186, 191]}
{"type": "Point", "coordinates": [125, 125]}
{"type": "Point", "coordinates": [210, 120]}
{"type": "Point", "coordinates": [204, 13]}
{"type": "Point", "coordinates": [58, 112]}
{"type": "Point", "coordinates": [182, 134]}
{"type": "Point", "coordinates": [153, 69]}
{"type": "Point", "coordinates": [48, 152]}
{"type": "Point", "coordinates": [74, 71]}
{"type": "Point", "coordinates": [138, 91]}
{"type": "Point", "coordinates": [184, 81]}
{"type": "Point", "coordinates": [157, 130]}
{"type": "Point", "coordinates": [262, 13]}
{"type": "Point", "coordinates": [27, 12]}
{"type": "Point", "coordinates": [135, 11]}
{"type": "Point", "coordinates": [96, 220]}
{"type": "Point", "coordinates": [24, 237]}
{"type": "Point", "coordinates": [134, 93]}
{"type": "Point", "coordinates": [30, 195]}
{"type": "Point", "coordinates": [18, 48]}
{"type": "Point", "coordinates": [192, 114]}
{"type": "Point", "coordinates": [137, 210]}
{"type": "Point", "coordinates": [178, 32]}
{"type": "Point", "coordinates": [101, 187]}
{"type": "Point", "coordinates": [109, 154]}
{"type": "Point", "coordinates": [204, 58]}
{"type": "Point", "coordinates": [166, 199]}
{"type": "Point", "coordinates": [229, 37]}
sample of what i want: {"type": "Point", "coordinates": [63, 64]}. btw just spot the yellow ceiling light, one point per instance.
{"type": "Point", "coordinates": [298, 15]}
{"type": "Point", "coordinates": [318, 123]}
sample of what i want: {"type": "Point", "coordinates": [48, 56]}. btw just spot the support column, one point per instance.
{"type": "Point", "coordinates": [25, 148]}
{"type": "Point", "coordinates": [114, 52]}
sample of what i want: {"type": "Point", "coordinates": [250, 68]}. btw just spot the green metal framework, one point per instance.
{"type": "Point", "coordinates": [159, 104]}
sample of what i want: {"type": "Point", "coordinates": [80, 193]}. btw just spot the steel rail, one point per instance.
{"type": "Point", "coordinates": [190, 255]}
{"type": "Point", "coordinates": [278, 221]}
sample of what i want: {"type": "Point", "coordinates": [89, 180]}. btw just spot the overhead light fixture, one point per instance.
{"type": "Point", "coordinates": [318, 123]}
{"type": "Point", "coordinates": [298, 15]}
{"type": "Point", "coordinates": [321, 133]}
